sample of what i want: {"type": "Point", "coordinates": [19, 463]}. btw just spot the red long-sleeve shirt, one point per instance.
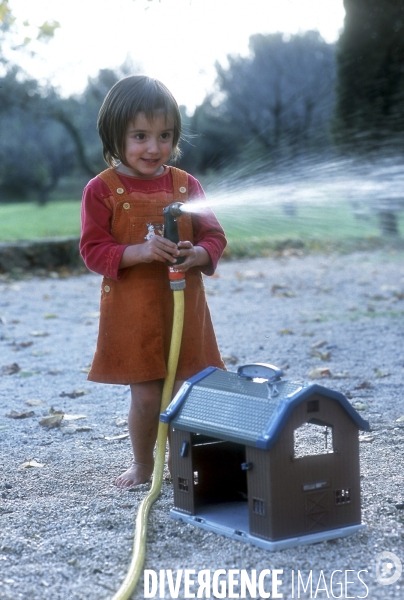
{"type": "Point", "coordinates": [100, 251]}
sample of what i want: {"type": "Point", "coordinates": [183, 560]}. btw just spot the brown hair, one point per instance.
{"type": "Point", "coordinates": [129, 96]}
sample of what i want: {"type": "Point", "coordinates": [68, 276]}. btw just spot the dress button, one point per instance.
{"type": "Point", "coordinates": [120, 191]}
{"type": "Point", "coordinates": [183, 189]}
{"type": "Point", "coordinates": [126, 206]}
{"type": "Point", "coordinates": [107, 288]}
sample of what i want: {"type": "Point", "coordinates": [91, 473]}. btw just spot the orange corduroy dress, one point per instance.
{"type": "Point", "coordinates": [136, 312]}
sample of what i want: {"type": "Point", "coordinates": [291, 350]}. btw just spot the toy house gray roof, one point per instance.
{"type": "Point", "coordinates": [224, 405]}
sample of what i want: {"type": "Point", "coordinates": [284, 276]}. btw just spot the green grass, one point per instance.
{"type": "Point", "coordinates": [258, 231]}
{"type": "Point", "coordinates": [309, 222]}
{"type": "Point", "coordinates": [28, 221]}
{"type": "Point", "coordinates": [249, 229]}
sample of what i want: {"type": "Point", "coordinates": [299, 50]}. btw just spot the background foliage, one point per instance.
{"type": "Point", "coordinates": [292, 99]}
{"type": "Point", "coordinates": [370, 92]}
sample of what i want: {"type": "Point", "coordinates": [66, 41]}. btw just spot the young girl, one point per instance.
{"type": "Point", "coordinates": [122, 225]}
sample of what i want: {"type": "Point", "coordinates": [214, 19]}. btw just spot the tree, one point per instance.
{"type": "Point", "coordinates": [275, 103]}
{"type": "Point", "coordinates": [44, 137]}
{"type": "Point", "coordinates": [30, 115]}
{"type": "Point", "coordinates": [34, 155]}
{"type": "Point", "coordinates": [37, 141]}
{"type": "Point", "coordinates": [209, 141]}
{"type": "Point", "coordinates": [35, 150]}
{"type": "Point", "coordinates": [370, 71]}
{"type": "Point", "coordinates": [369, 117]}
{"type": "Point", "coordinates": [282, 95]}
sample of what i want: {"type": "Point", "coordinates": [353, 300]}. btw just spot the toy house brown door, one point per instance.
{"type": "Point", "coordinates": [317, 508]}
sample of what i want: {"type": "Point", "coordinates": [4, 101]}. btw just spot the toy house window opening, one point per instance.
{"type": "Point", "coordinates": [182, 484]}
{"type": "Point", "coordinates": [259, 506]}
{"type": "Point", "coordinates": [342, 496]}
{"type": "Point", "coordinates": [313, 406]}
{"type": "Point", "coordinates": [313, 438]}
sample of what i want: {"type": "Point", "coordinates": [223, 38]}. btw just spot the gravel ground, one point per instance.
{"type": "Point", "coordinates": [66, 531]}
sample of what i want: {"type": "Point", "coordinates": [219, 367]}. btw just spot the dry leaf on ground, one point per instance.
{"type": "Point", "coordinates": [10, 369]}
{"type": "Point", "coordinates": [276, 287]}
{"type": "Point", "coordinates": [319, 373]}
{"type": "Point", "coordinates": [360, 405]}
{"type": "Point", "coordinates": [52, 421]}
{"type": "Point", "coordinates": [73, 417]}
{"type": "Point", "coordinates": [22, 345]}
{"type": "Point", "coordinates": [117, 437]}
{"type": "Point", "coordinates": [380, 373]}
{"type": "Point", "coordinates": [365, 385]}
{"type": "Point", "coordinates": [16, 414]}
{"type": "Point", "coordinates": [35, 402]}
{"type": "Point", "coordinates": [282, 291]}
{"type": "Point", "coordinates": [75, 394]}
{"type": "Point", "coordinates": [321, 355]}
{"type": "Point", "coordinates": [29, 464]}
{"type": "Point", "coordinates": [318, 344]}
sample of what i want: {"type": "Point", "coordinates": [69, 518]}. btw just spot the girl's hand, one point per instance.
{"type": "Point", "coordinates": [195, 256]}
{"type": "Point", "coordinates": [157, 248]}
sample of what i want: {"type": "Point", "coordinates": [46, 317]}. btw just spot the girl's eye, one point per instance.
{"type": "Point", "coordinates": [166, 135]}
{"type": "Point", "coordinates": [140, 136]}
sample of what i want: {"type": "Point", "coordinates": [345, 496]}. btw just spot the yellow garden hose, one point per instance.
{"type": "Point", "coordinates": [139, 544]}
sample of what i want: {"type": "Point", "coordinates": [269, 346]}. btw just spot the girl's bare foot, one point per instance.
{"type": "Point", "coordinates": [137, 474]}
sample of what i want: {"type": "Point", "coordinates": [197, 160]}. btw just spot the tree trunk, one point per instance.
{"type": "Point", "coordinates": [388, 223]}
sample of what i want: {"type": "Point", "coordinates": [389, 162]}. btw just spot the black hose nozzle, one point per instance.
{"type": "Point", "coordinates": [171, 213]}
{"type": "Point", "coordinates": [175, 209]}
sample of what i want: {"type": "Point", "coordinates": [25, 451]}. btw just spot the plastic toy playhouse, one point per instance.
{"type": "Point", "coordinates": [268, 461]}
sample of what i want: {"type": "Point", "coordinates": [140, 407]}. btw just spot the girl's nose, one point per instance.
{"type": "Point", "coordinates": [152, 146]}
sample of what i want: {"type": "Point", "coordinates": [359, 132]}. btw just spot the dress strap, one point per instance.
{"type": "Point", "coordinates": [180, 184]}
{"type": "Point", "coordinates": [115, 185]}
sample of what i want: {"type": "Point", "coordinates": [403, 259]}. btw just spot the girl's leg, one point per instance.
{"type": "Point", "coordinates": [143, 422]}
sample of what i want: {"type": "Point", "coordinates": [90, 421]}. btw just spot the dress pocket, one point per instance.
{"type": "Point", "coordinates": [142, 229]}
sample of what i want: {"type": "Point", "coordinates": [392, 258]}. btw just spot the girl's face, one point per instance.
{"type": "Point", "coordinates": [148, 145]}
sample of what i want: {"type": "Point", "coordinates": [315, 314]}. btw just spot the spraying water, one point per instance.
{"type": "Point", "coordinates": [334, 198]}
